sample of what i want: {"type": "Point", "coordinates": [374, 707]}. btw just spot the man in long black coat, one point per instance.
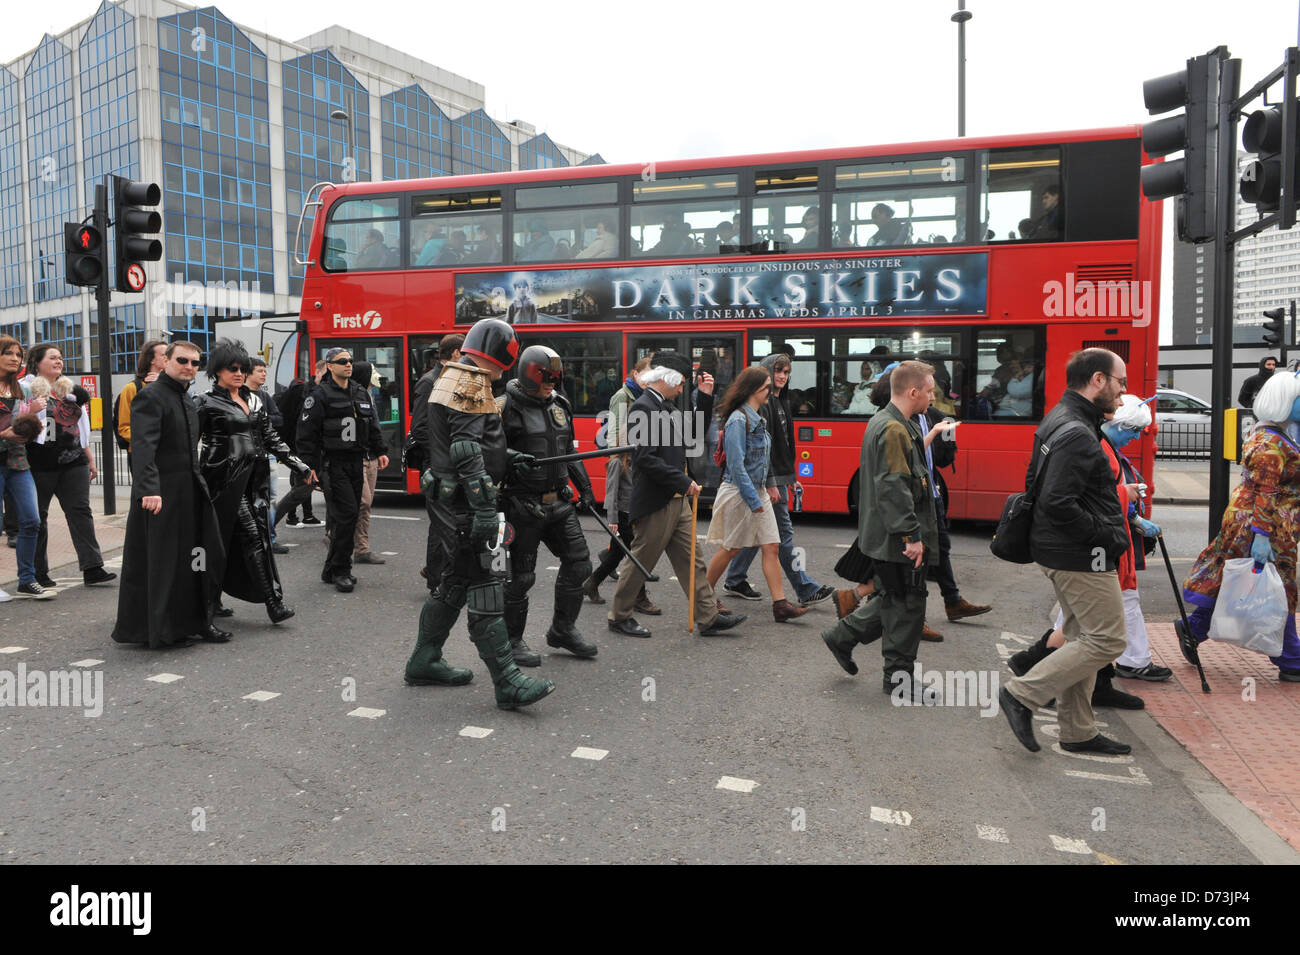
{"type": "Point", "coordinates": [173, 560]}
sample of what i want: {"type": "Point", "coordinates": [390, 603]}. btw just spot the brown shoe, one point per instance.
{"type": "Point", "coordinates": [592, 591]}
{"type": "Point", "coordinates": [783, 610]}
{"type": "Point", "coordinates": [643, 605]}
{"type": "Point", "coordinates": [964, 608]}
{"type": "Point", "coordinates": [846, 601]}
{"type": "Point", "coordinates": [934, 636]}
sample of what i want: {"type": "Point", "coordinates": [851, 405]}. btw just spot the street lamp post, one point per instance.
{"type": "Point", "coordinates": [960, 18]}
{"type": "Point", "coordinates": [349, 160]}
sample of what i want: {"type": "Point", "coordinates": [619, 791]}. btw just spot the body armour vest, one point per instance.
{"type": "Point", "coordinates": [542, 427]}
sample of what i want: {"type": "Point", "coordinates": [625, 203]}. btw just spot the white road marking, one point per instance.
{"type": "Point", "coordinates": [475, 732]}
{"type": "Point", "coordinates": [842, 546]}
{"type": "Point", "coordinates": [1095, 757]}
{"type": "Point", "coordinates": [991, 833]}
{"type": "Point", "coordinates": [165, 678]}
{"type": "Point", "coordinates": [588, 752]}
{"type": "Point", "coordinates": [367, 713]}
{"type": "Point", "coordinates": [388, 553]}
{"type": "Point", "coordinates": [735, 784]}
{"type": "Point", "coordinates": [88, 662]}
{"type": "Point", "coordinates": [1077, 846]}
{"type": "Point", "coordinates": [12, 649]}
{"type": "Point", "coordinates": [395, 517]}
{"type": "Point", "coordinates": [553, 568]}
{"type": "Point", "coordinates": [261, 696]}
{"type": "Point", "coordinates": [1005, 652]}
{"type": "Point", "coordinates": [673, 577]}
{"type": "Point", "coordinates": [1135, 777]}
{"type": "Point", "coordinates": [1023, 641]}
{"type": "Point", "coordinates": [893, 817]}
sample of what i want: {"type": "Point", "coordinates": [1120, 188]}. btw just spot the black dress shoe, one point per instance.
{"type": "Point", "coordinates": [1099, 744]}
{"type": "Point", "coordinates": [570, 639]}
{"type": "Point", "coordinates": [215, 634]}
{"type": "Point", "coordinates": [628, 627]}
{"type": "Point", "coordinates": [1105, 694]}
{"type": "Point", "coordinates": [722, 622]}
{"type": "Point", "coordinates": [1020, 718]}
{"type": "Point", "coordinates": [277, 611]}
{"type": "Point", "coordinates": [279, 549]}
{"type": "Point", "coordinates": [344, 583]}
{"type": "Point", "coordinates": [97, 575]}
{"type": "Point", "coordinates": [223, 611]}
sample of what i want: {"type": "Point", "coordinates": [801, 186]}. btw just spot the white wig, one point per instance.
{"type": "Point", "coordinates": [662, 373]}
{"type": "Point", "coordinates": [1277, 397]}
{"type": "Point", "coordinates": [1133, 412]}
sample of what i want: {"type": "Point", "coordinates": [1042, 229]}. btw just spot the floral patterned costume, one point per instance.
{"type": "Point", "coordinates": [1268, 500]}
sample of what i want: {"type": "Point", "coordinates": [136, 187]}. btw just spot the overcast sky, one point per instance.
{"type": "Point", "coordinates": [688, 78]}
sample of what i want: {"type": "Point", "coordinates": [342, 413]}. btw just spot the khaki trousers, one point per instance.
{"type": "Point", "coordinates": [370, 476]}
{"type": "Point", "coordinates": [1095, 634]}
{"type": "Point", "coordinates": [666, 530]}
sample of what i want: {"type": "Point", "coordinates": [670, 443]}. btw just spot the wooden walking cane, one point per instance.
{"type": "Point", "coordinates": [695, 513]}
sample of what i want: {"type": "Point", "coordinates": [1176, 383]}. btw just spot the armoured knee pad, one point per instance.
{"type": "Point", "coordinates": [575, 573]}
{"type": "Point", "coordinates": [517, 588]}
{"type": "Point", "coordinates": [453, 592]}
{"type": "Point", "coordinates": [486, 600]}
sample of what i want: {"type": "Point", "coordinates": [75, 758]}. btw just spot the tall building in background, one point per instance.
{"type": "Point", "coordinates": [1267, 275]}
{"type": "Point", "coordinates": [236, 126]}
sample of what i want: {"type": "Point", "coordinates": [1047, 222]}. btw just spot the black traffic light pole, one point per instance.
{"type": "Point", "coordinates": [1224, 255]}
{"type": "Point", "coordinates": [108, 427]}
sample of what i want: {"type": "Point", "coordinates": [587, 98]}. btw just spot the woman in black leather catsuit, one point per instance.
{"type": "Point", "coordinates": [236, 439]}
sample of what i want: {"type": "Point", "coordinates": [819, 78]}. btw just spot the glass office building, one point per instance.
{"type": "Point", "coordinates": [236, 126]}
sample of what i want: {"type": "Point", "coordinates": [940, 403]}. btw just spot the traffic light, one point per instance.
{"type": "Point", "coordinates": [132, 225]}
{"type": "Point", "coordinates": [1265, 134]}
{"type": "Point", "coordinates": [1273, 327]}
{"type": "Point", "coordinates": [83, 248]}
{"type": "Point", "coordinates": [1190, 178]}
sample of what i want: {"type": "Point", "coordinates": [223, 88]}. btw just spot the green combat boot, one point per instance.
{"type": "Point", "coordinates": [513, 689]}
{"type": "Point", "coordinates": [426, 666]}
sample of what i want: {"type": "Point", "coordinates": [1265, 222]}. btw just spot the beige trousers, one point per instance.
{"type": "Point", "coordinates": [1095, 634]}
{"type": "Point", "coordinates": [369, 478]}
{"type": "Point", "coordinates": [666, 530]}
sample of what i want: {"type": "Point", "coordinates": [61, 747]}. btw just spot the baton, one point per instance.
{"type": "Point", "coordinates": [651, 578]}
{"type": "Point", "coordinates": [584, 455]}
{"type": "Point", "coordinates": [1186, 642]}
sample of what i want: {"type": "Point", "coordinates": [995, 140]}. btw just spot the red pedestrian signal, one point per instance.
{"type": "Point", "coordinates": [84, 254]}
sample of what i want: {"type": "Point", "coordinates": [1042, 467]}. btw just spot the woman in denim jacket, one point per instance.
{"type": "Point", "coordinates": [742, 511]}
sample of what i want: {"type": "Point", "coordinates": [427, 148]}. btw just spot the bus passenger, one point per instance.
{"type": "Point", "coordinates": [1048, 225]}
{"type": "Point", "coordinates": [675, 238]}
{"type": "Point", "coordinates": [435, 237]}
{"type": "Point", "coordinates": [539, 246]}
{"type": "Point", "coordinates": [725, 234]}
{"type": "Point", "coordinates": [562, 249]}
{"type": "Point", "coordinates": [605, 244]}
{"type": "Point", "coordinates": [374, 254]}
{"type": "Point", "coordinates": [453, 253]}
{"type": "Point", "coordinates": [486, 248]}
{"type": "Point", "coordinates": [889, 231]}
{"type": "Point", "coordinates": [810, 230]}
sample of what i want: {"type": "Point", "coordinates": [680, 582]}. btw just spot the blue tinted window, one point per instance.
{"type": "Point", "coordinates": [64, 332]}
{"type": "Point", "coordinates": [51, 166]}
{"type": "Point", "coordinates": [478, 144]}
{"type": "Point", "coordinates": [13, 288]}
{"type": "Point", "coordinates": [416, 136]}
{"type": "Point", "coordinates": [540, 153]}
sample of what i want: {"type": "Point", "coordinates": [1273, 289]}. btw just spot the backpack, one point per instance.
{"type": "Point", "coordinates": [122, 443]}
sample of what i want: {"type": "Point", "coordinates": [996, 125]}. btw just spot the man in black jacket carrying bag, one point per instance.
{"type": "Point", "coordinates": [1077, 538]}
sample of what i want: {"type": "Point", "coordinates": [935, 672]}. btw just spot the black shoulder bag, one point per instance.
{"type": "Point", "coordinates": [1011, 539]}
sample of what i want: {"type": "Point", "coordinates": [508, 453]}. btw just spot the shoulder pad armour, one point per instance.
{"type": "Point", "coordinates": [464, 388]}
{"type": "Point", "coordinates": [501, 403]}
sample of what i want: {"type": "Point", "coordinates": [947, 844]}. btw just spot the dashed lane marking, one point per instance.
{"type": "Point", "coordinates": [88, 662]}
{"type": "Point", "coordinates": [366, 712]}
{"type": "Point", "coordinates": [261, 696]}
{"type": "Point", "coordinates": [736, 784]}
{"type": "Point", "coordinates": [475, 732]}
{"type": "Point", "coordinates": [556, 567]}
{"type": "Point", "coordinates": [388, 553]}
{"type": "Point", "coordinates": [12, 649]}
{"type": "Point", "coordinates": [892, 817]}
{"type": "Point", "coordinates": [588, 752]}
{"type": "Point", "coordinates": [1076, 846]}
{"type": "Point", "coordinates": [1135, 777]}
{"type": "Point", "coordinates": [1095, 757]}
{"type": "Point", "coordinates": [991, 833]}
{"type": "Point", "coordinates": [1023, 641]}
{"type": "Point", "coordinates": [164, 678]}
{"type": "Point", "coordinates": [396, 517]}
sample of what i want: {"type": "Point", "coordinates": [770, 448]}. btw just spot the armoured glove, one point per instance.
{"type": "Point", "coordinates": [1260, 549]}
{"type": "Point", "coordinates": [522, 464]}
{"type": "Point", "coordinates": [586, 500]}
{"type": "Point", "coordinates": [483, 528]}
{"type": "Point", "coordinates": [1147, 528]}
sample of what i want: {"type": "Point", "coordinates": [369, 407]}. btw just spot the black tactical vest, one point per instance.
{"type": "Point", "coordinates": [342, 407]}
{"type": "Point", "coordinates": [542, 427]}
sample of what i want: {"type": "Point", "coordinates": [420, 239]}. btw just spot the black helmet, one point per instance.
{"type": "Point", "coordinates": [539, 365]}
{"type": "Point", "coordinates": [493, 340]}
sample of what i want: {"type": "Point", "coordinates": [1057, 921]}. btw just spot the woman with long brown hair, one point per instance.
{"type": "Point", "coordinates": [742, 511]}
{"type": "Point", "coordinates": [15, 472]}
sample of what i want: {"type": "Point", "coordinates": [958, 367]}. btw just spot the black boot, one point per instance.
{"type": "Point", "coordinates": [1024, 661]}
{"type": "Point", "coordinates": [516, 617]}
{"type": "Point", "coordinates": [563, 634]}
{"type": "Point", "coordinates": [1104, 693]}
{"type": "Point", "coordinates": [258, 561]}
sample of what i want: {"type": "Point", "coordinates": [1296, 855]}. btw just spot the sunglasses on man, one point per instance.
{"type": "Point", "coordinates": [196, 362]}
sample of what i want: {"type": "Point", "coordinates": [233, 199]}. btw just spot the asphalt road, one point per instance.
{"type": "Point", "coordinates": [830, 771]}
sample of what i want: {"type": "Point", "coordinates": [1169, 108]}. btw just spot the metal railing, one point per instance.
{"type": "Point", "coordinates": [1184, 441]}
{"type": "Point", "coordinates": [121, 473]}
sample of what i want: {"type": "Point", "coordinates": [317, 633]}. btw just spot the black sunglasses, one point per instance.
{"type": "Point", "coordinates": [237, 367]}
{"type": "Point", "coordinates": [196, 362]}
{"type": "Point", "coordinates": [341, 361]}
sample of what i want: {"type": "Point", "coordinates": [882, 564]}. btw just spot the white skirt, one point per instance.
{"type": "Point", "coordinates": [734, 526]}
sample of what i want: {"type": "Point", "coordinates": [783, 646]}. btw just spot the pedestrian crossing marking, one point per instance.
{"type": "Point", "coordinates": [1095, 757]}
{"type": "Point", "coordinates": [475, 732]}
{"type": "Point", "coordinates": [736, 784]}
{"type": "Point", "coordinates": [12, 649]}
{"type": "Point", "coordinates": [1023, 641]}
{"type": "Point", "coordinates": [1135, 777]}
{"type": "Point", "coordinates": [991, 833]}
{"type": "Point", "coordinates": [588, 752]}
{"type": "Point", "coordinates": [1076, 846]}
{"type": "Point", "coordinates": [891, 817]}
{"type": "Point", "coordinates": [261, 696]}
{"type": "Point", "coordinates": [88, 662]}
{"type": "Point", "coordinates": [366, 712]}
{"type": "Point", "coordinates": [164, 678]}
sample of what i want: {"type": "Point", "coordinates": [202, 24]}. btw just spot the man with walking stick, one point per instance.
{"type": "Point", "coordinates": [662, 493]}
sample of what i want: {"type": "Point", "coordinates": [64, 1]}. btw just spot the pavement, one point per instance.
{"type": "Point", "coordinates": [1187, 482]}
{"type": "Point", "coordinates": [299, 742]}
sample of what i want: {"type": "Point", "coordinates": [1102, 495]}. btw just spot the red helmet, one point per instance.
{"type": "Point", "coordinates": [538, 366]}
{"type": "Point", "coordinates": [493, 340]}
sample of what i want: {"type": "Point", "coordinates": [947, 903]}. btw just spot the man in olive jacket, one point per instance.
{"type": "Point", "coordinates": [897, 529]}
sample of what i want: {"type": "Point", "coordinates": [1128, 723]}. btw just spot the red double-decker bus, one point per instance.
{"type": "Point", "coordinates": [992, 259]}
